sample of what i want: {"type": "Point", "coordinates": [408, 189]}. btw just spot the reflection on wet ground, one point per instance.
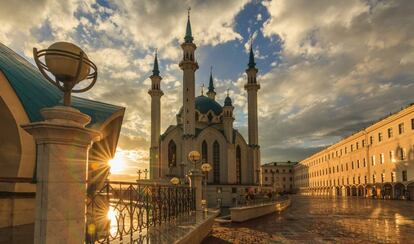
{"type": "Point", "coordinates": [326, 220]}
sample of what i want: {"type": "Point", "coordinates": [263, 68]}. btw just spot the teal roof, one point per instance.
{"type": "Point", "coordinates": [35, 92]}
{"type": "Point", "coordinates": [227, 101]}
{"type": "Point", "coordinates": [204, 104]}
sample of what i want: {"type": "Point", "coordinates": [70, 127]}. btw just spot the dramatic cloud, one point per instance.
{"type": "Point", "coordinates": [344, 65]}
{"type": "Point", "coordinates": [327, 67]}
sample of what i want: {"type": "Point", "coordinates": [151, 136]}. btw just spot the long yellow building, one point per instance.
{"type": "Point", "coordinates": [377, 161]}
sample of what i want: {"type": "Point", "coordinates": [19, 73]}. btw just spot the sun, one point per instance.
{"type": "Point", "coordinates": [116, 164]}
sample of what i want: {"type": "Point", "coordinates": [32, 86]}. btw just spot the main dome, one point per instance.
{"type": "Point", "coordinates": [204, 104]}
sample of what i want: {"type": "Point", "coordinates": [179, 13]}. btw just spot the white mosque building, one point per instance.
{"type": "Point", "coordinates": [204, 125]}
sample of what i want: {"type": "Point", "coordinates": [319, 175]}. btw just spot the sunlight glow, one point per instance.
{"type": "Point", "coordinates": [117, 164]}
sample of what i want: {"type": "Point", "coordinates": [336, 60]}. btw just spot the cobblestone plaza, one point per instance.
{"type": "Point", "coordinates": [326, 220]}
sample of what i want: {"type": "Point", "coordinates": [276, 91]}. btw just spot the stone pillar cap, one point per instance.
{"type": "Point", "coordinates": [65, 115]}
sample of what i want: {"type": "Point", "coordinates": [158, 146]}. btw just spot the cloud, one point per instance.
{"type": "Point", "coordinates": [344, 64]}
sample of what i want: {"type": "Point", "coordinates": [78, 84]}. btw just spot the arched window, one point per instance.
{"type": "Point", "coordinates": [216, 162]}
{"type": "Point", "coordinates": [172, 154]}
{"type": "Point", "coordinates": [204, 152]}
{"type": "Point", "coordinates": [238, 165]}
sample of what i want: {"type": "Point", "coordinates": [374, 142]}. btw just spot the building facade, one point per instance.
{"type": "Point", "coordinates": [278, 176]}
{"type": "Point", "coordinates": [204, 125]}
{"type": "Point", "coordinates": [377, 161]}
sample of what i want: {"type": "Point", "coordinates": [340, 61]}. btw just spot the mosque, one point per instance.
{"type": "Point", "coordinates": [204, 125]}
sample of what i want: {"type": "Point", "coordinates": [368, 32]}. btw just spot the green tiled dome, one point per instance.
{"type": "Point", "coordinates": [35, 92]}
{"type": "Point", "coordinates": [204, 104]}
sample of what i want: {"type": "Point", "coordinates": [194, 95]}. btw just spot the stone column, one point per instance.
{"type": "Point", "coordinates": [196, 182]}
{"type": "Point", "coordinates": [63, 144]}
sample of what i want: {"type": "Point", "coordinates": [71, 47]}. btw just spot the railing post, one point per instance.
{"type": "Point", "coordinates": [63, 144]}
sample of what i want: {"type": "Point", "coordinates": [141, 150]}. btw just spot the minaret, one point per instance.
{"type": "Point", "coordinates": [211, 93]}
{"type": "Point", "coordinates": [252, 87]}
{"type": "Point", "coordinates": [155, 92]}
{"type": "Point", "coordinates": [189, 66]}
{"type": "Point", "coordinates": [228, 118]}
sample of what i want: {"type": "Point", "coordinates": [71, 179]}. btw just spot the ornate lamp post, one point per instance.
{"type": "Point", "coordinates": [146, 173]}
{"type": "Point", "coordinates": [63, 144]}
{"type": "Point", "coordinates": [194, 157]}
{"type": "Point", "coordinates": [139, 172]}
{"type": "Point", "coordinates": [69, 64]}
{"type": "Point", "coordinates": [205, 168]}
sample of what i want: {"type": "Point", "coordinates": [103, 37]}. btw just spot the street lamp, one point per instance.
{"type": "Point", "coordinates": [194, 157]}
{"type": "Point", "coordinates": [69, 65]}
{"type": "Point", "coordinates": [205, 168]}
{"type": "Point", "coordinates": [175, 181]}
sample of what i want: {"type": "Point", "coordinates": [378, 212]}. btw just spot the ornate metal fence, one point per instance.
{"type": "Point", "coordinates": [125, 211]}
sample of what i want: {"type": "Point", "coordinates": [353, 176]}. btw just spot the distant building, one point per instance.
{"type": "Point", "coordinates": [376, 161]}
{"type": "Point", "coordinates": [278, 176]}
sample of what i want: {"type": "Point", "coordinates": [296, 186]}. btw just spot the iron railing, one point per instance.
{"type": "Point", "coordinates": [124, 211]}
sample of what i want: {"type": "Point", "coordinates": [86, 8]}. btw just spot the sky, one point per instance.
{"type": "Point", "coordinates": [327, 68]}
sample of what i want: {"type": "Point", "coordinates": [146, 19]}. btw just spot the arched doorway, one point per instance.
{"type": "Point", "coordinates": [354, 191]}
{"type": "Point", "coordinates": [399, 191]}
{"type": "Point", "coordinates": [410, 191]}
{"type": "Point", "coordinates": [338, 191]}
{"type": "Point", "coordinates": [387, 191]}
{"type": "Point", "coordinates": [348, 191]}
{"type": "Point", "coordinates": [361, 191]}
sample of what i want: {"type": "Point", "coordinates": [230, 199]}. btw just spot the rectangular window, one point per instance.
{"type": "Point", "coordinates": [346, 166]}
{"type": "Point", "coordinates": [392, 159]}
{"type": "Point", "coordinates": [404, 175]}
{"type": "Point", "coordinates": [373, 160]}
{"type": "Point", "coordinates": [357, 145]}
{"type": "Point", "coordinates": [382, 177]}
{"type": "Point", "coordinates": [403, 153]}
{"type": "Point", "coordinates": [412, 124]}
{"type": "Point", "coordinates": [364, 162]}
{"type": "Point", "coordinates": [352, 147]}
{"type": "Point", "coordinates": [373, 178]}
{"type": "Point", "coordinates": [365, 180]}
{"type": "Point", "coordinates": [401, 128]}
{"type": "Point", "coordinates": [358, 163]}
{"type": "Point", "coordinates": [381, 158]}
{"type": "Point", "coordinates": [389, 132]}
{"type": "Point", "coordinates": [353, 180]}
{"type": "Point", "coordinates": [393, 176]}
{"type": "Point", "coordinates": [359, 179]}
{"type": "Point", "coordinates": [371, 140]}
{"type": "Point", "coordinates": [352, 164]}
{"type": "Point", "coordinates": [265, 178]}
{"type": "Point", "coordinates": [346, 149]}
{"type": "Point", "coordinates": [379, 136]}
{"type": "Point", "coordinates": [363, 143]}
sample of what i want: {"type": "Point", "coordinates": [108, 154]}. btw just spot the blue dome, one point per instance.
{"type": "Point", "coordinates": [204, 104]}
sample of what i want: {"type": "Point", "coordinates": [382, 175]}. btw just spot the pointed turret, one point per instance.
{"type": "Point", "coordinates": [188, 34]}
{"type": "Point", "coordinates": [211, 92]}
{"type": "Point", "coordinates": [251, 64]}
{"type": "Point", "coordinates": [228, 118]}
{"type": "Point", "coordinates": [155, 70]}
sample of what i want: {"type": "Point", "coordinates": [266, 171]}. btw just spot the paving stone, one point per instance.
{"type": "Point", "coordinates": [326, 220]}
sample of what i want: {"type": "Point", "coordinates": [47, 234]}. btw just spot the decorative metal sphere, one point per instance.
{"type": "Point", "coordinates": [65, 68]}
{"type": "Point", "coordinates": [175, 181]}
{"type": "Point", "coordinates": [194, 156]}
{"type": "Point", "coordinates": [206, 167]}
{"type": "Point", "coordinates": [69, 65]}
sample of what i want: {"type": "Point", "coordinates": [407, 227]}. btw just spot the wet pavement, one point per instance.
{"type": "Point", "coordinates": [326, 220]}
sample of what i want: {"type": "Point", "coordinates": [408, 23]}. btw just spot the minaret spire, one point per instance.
{"type": "Point", "coordinates": [251, 63]}
{"type": "Point", "coordinates": [211, 93]}
{"type": "Point", "coordinates": [188, 34]}
{"type": "Point", "coordinates": [155, 70]}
